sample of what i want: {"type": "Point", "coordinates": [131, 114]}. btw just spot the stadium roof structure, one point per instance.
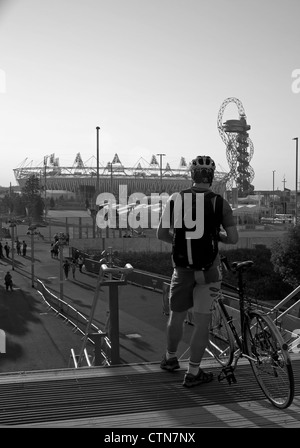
{"type": "Point", "coordinates": [142, 176]}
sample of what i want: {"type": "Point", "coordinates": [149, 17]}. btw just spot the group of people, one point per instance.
{"type": "Point", "coordinates": [72, 265]}
{"type": "Point", "coordinates": [21, 248]}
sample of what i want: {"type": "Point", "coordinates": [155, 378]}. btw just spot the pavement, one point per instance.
{"type": "Point", "coordinates": [37, 339]}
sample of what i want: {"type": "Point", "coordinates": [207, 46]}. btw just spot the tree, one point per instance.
{"type": "Point", "coordinates": [31, 195]}
{"type": "Point", "coordinates": [285, 257]}
{"type": "Point", "coordinates": [13, 203]}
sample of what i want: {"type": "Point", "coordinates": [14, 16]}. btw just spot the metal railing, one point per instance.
{"type": "Point", "coordinates": [72, 316]}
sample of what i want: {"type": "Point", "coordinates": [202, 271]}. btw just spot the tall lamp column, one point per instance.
{"type": "Point", "coordinates": [160, 164]}
{"type": "Point", "coordinates": [61, 257]}
{"type": "Point", "coordinates": [97, 184]}
{"type": "Point", "coordinates": [296, 192]}
{"type": "Point", "coordinates": [12, 226]}
{"type": "Point", "coordinates": [32, 228]}
{"type": "Point", "coordinates": [273, 208]}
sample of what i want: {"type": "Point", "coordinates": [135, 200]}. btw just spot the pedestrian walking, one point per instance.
{"type": "Point", "coordinates": [80, 263]}
{"type": "Point", "coordinates": [73, 266]}
{"type": "Point", "coordinates": [196, 277]}
{"type": "Point", "coordinates": [7, 249]}
{"type": "Point", "coordinates": [18, 245]}
{"type": "Point", "coordinates": [55, 250]}
{"type": "Point", "coordinates": [1, 250]}
{"type": "Point", "coordinates": [66, 267]}
{"type": "Point", "coordinates": [24, 248]}
{"type": "Point", "coordinates": [8, 281]}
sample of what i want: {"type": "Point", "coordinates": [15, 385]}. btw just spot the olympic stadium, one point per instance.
{"type": "Point", "coordinates": [83, 179]}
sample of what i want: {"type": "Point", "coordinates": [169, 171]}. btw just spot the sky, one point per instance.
{"type": "Point", "coordinates": [153, 75]}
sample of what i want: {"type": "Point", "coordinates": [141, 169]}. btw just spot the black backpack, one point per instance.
{"type": "Point", "coordinates": [196, 246]}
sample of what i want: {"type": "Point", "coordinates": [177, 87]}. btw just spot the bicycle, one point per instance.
{"type": "Point", "coordinates": [260, 342]}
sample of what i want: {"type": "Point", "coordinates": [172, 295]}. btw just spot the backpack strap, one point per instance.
{"type": "Point", "coordinates": [218, 208]}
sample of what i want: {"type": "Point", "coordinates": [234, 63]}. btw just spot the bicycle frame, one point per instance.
{"type": "Point", "coordinates": [240, 290]}
{"type": "Point", "coordinates": [260, 342]}
{"type": "Point", "coordinates": [241, 351]}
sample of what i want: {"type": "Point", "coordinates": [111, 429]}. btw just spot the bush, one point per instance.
{"type": "Point", "coordinates": [286, 257]}
{"type": "Point", "coordinates": [262, 281]}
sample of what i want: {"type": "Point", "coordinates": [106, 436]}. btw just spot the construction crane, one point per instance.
{"type": "Point", "coordinates": [239, 148]}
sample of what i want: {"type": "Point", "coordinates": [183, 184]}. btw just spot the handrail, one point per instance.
{"type": "Point", "coordinates": [285, 300]}
{"type": "Point", "coordinates": [78, 315]}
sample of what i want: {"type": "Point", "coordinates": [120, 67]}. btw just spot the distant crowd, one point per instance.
{"type": "Point", "coordinates": [21, 248]}
{"type": "Point", "coordinates": [68, 265]}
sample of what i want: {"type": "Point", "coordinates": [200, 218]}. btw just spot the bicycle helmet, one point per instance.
{"type": "Point", "coordinates": [203, 169]}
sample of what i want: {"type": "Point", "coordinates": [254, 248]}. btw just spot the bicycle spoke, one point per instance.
{"type": "Point", "coordinates": [270, 360]}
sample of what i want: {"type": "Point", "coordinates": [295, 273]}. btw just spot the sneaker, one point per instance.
{"type": "Point", "coordinates": [202, 377]}
{"type": "Point", "coordinates": [169, 364]}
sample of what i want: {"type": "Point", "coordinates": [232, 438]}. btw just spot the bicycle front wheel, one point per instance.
{"type": "Point", "coordinates": [269, 359]}
{"type": "Point", "coordinates": [221, 341]}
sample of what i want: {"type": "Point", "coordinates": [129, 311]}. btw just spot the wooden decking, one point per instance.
{"type": "Point", "coordinates": [139, 396]}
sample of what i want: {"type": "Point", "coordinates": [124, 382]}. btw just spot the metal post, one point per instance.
{"type": "Point", "coordinates": [32, 228]}
{"type": "Point", "coordinates": [97, 184]}
{"type": "Point", "coordinates": [32, 258]}
{"type": "Point", "coordinates": [61, 274]}
{"type": "Point", "coordinates": [273, 208]}
{"type": "Point", "coordinates": [161, 156]}
{"type": "Point", "coordinates": [114, 323]}
{"type": "Point", "coordinates": [45, 185]}
{"type": "Point", "coordinates": [296, 192]}
{"type": "Point", "coordinates": [13, 246]}
{"type": "Point", "coordinates": [111, 177]}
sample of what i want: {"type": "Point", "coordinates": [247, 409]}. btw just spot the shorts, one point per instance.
{"type": "Point", "coordinates": [194, 289]}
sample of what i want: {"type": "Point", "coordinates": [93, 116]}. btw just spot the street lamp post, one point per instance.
{"type": "Point", "coordinates": [273, 208]}
{"type": "Point", "coordinates": [12, 226]}
{"type": "Point", "coordinates": [296, 192]}
{"type": "Point", "coordinates": [45, 186]}
{"type": "Point", "coordinates": [160, 164]}
{"type": "Point", "coordinates": [61, 257]}
{"type": "Point", "coordinates": [32, 228]}
{"type": "Point", "coordinates": [111, 177]}
{"type": "Point", "coordinates": [97, 183]}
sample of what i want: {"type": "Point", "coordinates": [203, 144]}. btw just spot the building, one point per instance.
{"type": "Point", "coordinates": [82, 178]}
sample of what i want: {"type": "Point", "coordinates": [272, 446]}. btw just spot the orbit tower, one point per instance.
{"type": "Point", "coordinates": [236, 138]}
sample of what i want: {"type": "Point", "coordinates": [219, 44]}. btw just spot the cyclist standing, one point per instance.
{"type": "Point", "coordinates": [192, 285]}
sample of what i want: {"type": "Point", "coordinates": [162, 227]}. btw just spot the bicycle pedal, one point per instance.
{"type": "Point", "coordinates": [227, 373]}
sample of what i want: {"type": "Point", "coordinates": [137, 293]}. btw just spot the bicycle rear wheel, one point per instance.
{"type": "Point", "coordinates": [221, 341]}
{"type": "Point", "coordinates": [270, 360]}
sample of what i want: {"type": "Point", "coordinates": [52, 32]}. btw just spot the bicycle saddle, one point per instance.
{"type": "Point", "coordinates": [238, 265]}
